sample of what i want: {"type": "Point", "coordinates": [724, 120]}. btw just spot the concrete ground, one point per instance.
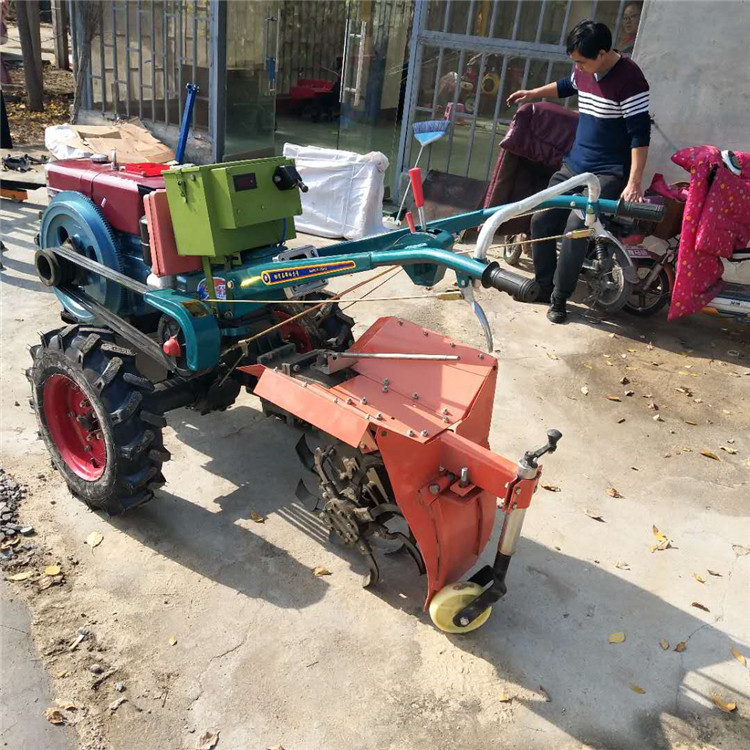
{"type": "Point", "coordinates": [215, 623]}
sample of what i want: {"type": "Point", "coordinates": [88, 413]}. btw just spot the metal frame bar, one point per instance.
{"type": "Point", "coordinates": [165, 63]}
{"type": "Point", "coordinates": [410, 96]}
{"type": "Point", "coordinates": [217, 76]}
{"type": "Point", "coordinates": [438, 72]}
{"type": "Point", "coordinates": [128, 92]}
{"type": "Point", "coordinates": [153, 60]}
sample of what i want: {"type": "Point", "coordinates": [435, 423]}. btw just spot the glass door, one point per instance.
{"type": "Point", "coordinates": [373, 76]}
{"type": "Point", "coordinates": [251, 75]}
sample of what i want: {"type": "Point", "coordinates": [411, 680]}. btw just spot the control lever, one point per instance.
{"type": "Point", "coordinates": [553, 437]}
{"type": "Point", "coordinates": [410, 222]}
{"type": "Point", "coordinates": [530, 458]}
{"type": "Point", "coordinates": [286, 177]}
{"type": "Point", "coordinates": [415, 175]}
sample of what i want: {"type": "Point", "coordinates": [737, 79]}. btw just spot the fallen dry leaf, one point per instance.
{"type": "Point", "coordinates": [62, 673]}
{"type": "Point", "coordinates": [254, 516]}
{"type": "Point", "coordinates": [52, 570]}
{"type": "Point", "coordinates": [691, 423]}
{"type": "Point", "coordinates": [505, 698]}
{"type": "Point", "coordinates": [616, 637]}
{"type": "Point", "coordinates": [612, 336]}
{"type": "Point", "coordinates": [116, 704]}
{"type": "Point", "coordinates": [710, 454]}
{"type": "Point", "coordinates": [661, 537]}
{"type": "Point", "coordinates": [208, 741]}
{"type": "Point", "coordinates": [585, 390]}
{"type": "Point", "coordinates": [630, 393]}
{"type": "Point", "coordinates": [739, 656]}
{"type": "Point", "coordinates": [54, 716]}
{"type": "Point", "coordinates": [614, 398]}
{"type": "Point", "coordinates": [680, 647]}
{"type": "Point", "coordinates": [21, 576]}
{"type": "Point", "coordinates": [612, 492]}
{"type": "Point", "coordinates": [664, 643]}
{"type": "Point", "coordinates": [720, 703]}
{"type": "Point", "coordinates": [698, 605]}
{"type": "Point", "coordinates": [321, 571]}
{"type": "Point", "coordinates": [94, 539]}
{"type": "Point", "coordinates": [653, 405]}
{"type": "Point", "coordinates": [594, 515]}
{"type": "Point", "coordinates": [637, 689]}
{"type": "Point", "coordinates": [632, 351]}
{"type": "Point", "coordinates": [552, 355]}
{"type": "Point", "coordinates": [551, 487]}
{"type": "Point", "coordinates": [586, 364]}
{"type": "Point", "coordinates": [698, 578]}
{"type": "Point", "coordinates": [172, 640]}
{"type": "Point", "coordinates": [622, 565]}
{"type": "Point", "coordinates": [713, 573]}
{"type": "Point", "coordinates": [657, 418]}
{"type": "Point", "coordinates": [684, 390]}
{"type": "Point", "coordinates": [727, 449]}
{"type": "Point", "coordinates": [545, 694]}
{"type": "Point", "coordinates": [740, 551]}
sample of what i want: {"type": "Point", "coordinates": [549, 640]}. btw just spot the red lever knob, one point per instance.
{"type": "Point", "coordinates": [171, 347]}
{"type": "Point", "coordinates": [415, 175]}
{"type": "Point", "coordinates": [410, 222]}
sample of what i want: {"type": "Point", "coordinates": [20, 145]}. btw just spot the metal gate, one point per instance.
{"type": "Point", "coordinates": [467, 56]}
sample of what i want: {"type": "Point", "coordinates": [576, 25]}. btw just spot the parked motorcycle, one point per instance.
{"type": "Point", "coordinates": [656, 271]}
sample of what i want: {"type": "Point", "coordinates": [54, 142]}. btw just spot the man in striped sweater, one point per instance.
{"type": "Point", "coordinates": [612, 140]}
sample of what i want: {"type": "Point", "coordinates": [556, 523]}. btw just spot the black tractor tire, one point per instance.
{"type": "Point", "coordinates": [117, 397]}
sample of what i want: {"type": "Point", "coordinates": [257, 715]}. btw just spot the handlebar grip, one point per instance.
{"type": "Point", "coordinates": [519, 287]}
{"type": "Point", "coordinates": [647, 211]}
{"type": "Point", "coordinates": [415, 175]}
{"type": "Point", "coordinates": [410, 221]}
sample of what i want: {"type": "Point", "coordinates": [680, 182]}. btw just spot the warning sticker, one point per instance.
{"type": "Point", "coordinates": [219, 284]}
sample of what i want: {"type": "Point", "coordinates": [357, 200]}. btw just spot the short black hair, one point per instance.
{"type": "Point", "coordinates": [588, 38]}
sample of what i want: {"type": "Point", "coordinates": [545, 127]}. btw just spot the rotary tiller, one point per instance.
{"type": "Point", "coordinates": [177, 289]}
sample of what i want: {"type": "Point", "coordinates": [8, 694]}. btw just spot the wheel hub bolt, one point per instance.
{"type": "Point", "coordinates": [464, 621]}
{"type": "Point", "coordinates": [415, 396]}
{"type": "Point", "coordinates": [434, 489]}
{"type": "Point", "coordinates": [424, 433]}
{"type": "Point", "coordinates": [84, 404]}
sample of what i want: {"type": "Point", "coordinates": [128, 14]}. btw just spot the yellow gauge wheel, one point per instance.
{"type": "Point", "coordinates": [450, 600]}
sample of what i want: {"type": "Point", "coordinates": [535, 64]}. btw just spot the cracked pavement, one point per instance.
{"type": "Point", "coordinates": [269, 654]}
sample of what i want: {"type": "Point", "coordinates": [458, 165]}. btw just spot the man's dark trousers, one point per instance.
{"type": "Point", "coordinates": [562, 274]}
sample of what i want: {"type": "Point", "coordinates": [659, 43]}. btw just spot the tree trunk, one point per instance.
{"type": "Point", "coordinates": [28, 30]}
{"type": "Point", "coordinates": [60, 32]}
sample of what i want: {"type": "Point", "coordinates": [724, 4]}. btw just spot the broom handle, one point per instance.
{"type": "Point", "coordinates": [408, 187]}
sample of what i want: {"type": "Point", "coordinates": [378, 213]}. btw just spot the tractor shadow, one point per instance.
{"type": "Point", "coordinates": [550, 630]}
{"type": "Point", "coordinates": [214, 535]}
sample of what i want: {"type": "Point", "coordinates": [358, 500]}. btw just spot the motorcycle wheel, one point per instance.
{"type": "Point", "coordinates": [513, 251]}
{"type": "Point", "coordinates": [646, 302]}
{"type": "Point", "coordinates": [607, 292]}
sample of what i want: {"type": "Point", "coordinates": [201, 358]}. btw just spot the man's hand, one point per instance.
{"type": "Point", "coordinates": [633, 193]}
{"type": "Point", "coordinates": [521, 97]}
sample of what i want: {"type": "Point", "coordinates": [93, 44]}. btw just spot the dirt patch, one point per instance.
{"type": "Point", "coordinates": [28, 127]}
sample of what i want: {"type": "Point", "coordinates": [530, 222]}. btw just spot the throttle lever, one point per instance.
{"type": "Point", "coordinates": [530, 458]}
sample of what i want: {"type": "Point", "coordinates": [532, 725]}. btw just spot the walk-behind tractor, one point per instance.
{"type": "Point", "coordinates": [178, 289]}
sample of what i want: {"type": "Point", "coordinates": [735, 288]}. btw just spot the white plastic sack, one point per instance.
{"type": "Point", "coordinates": [63, 142]}
{"type": "Point", "coordinates": [345, 196]}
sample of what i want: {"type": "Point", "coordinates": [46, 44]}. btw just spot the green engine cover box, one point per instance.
{"type": "Point", "coordinates": [221, 209]}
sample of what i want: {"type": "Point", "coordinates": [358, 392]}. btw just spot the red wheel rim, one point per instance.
{"type": "Point", "coordinates": [74, 427]}
{"type": "Point", "coordinates": [294, 332]}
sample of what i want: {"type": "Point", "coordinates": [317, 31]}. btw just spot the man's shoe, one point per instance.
{"type": "Point", "coordinates": [557, 312]}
